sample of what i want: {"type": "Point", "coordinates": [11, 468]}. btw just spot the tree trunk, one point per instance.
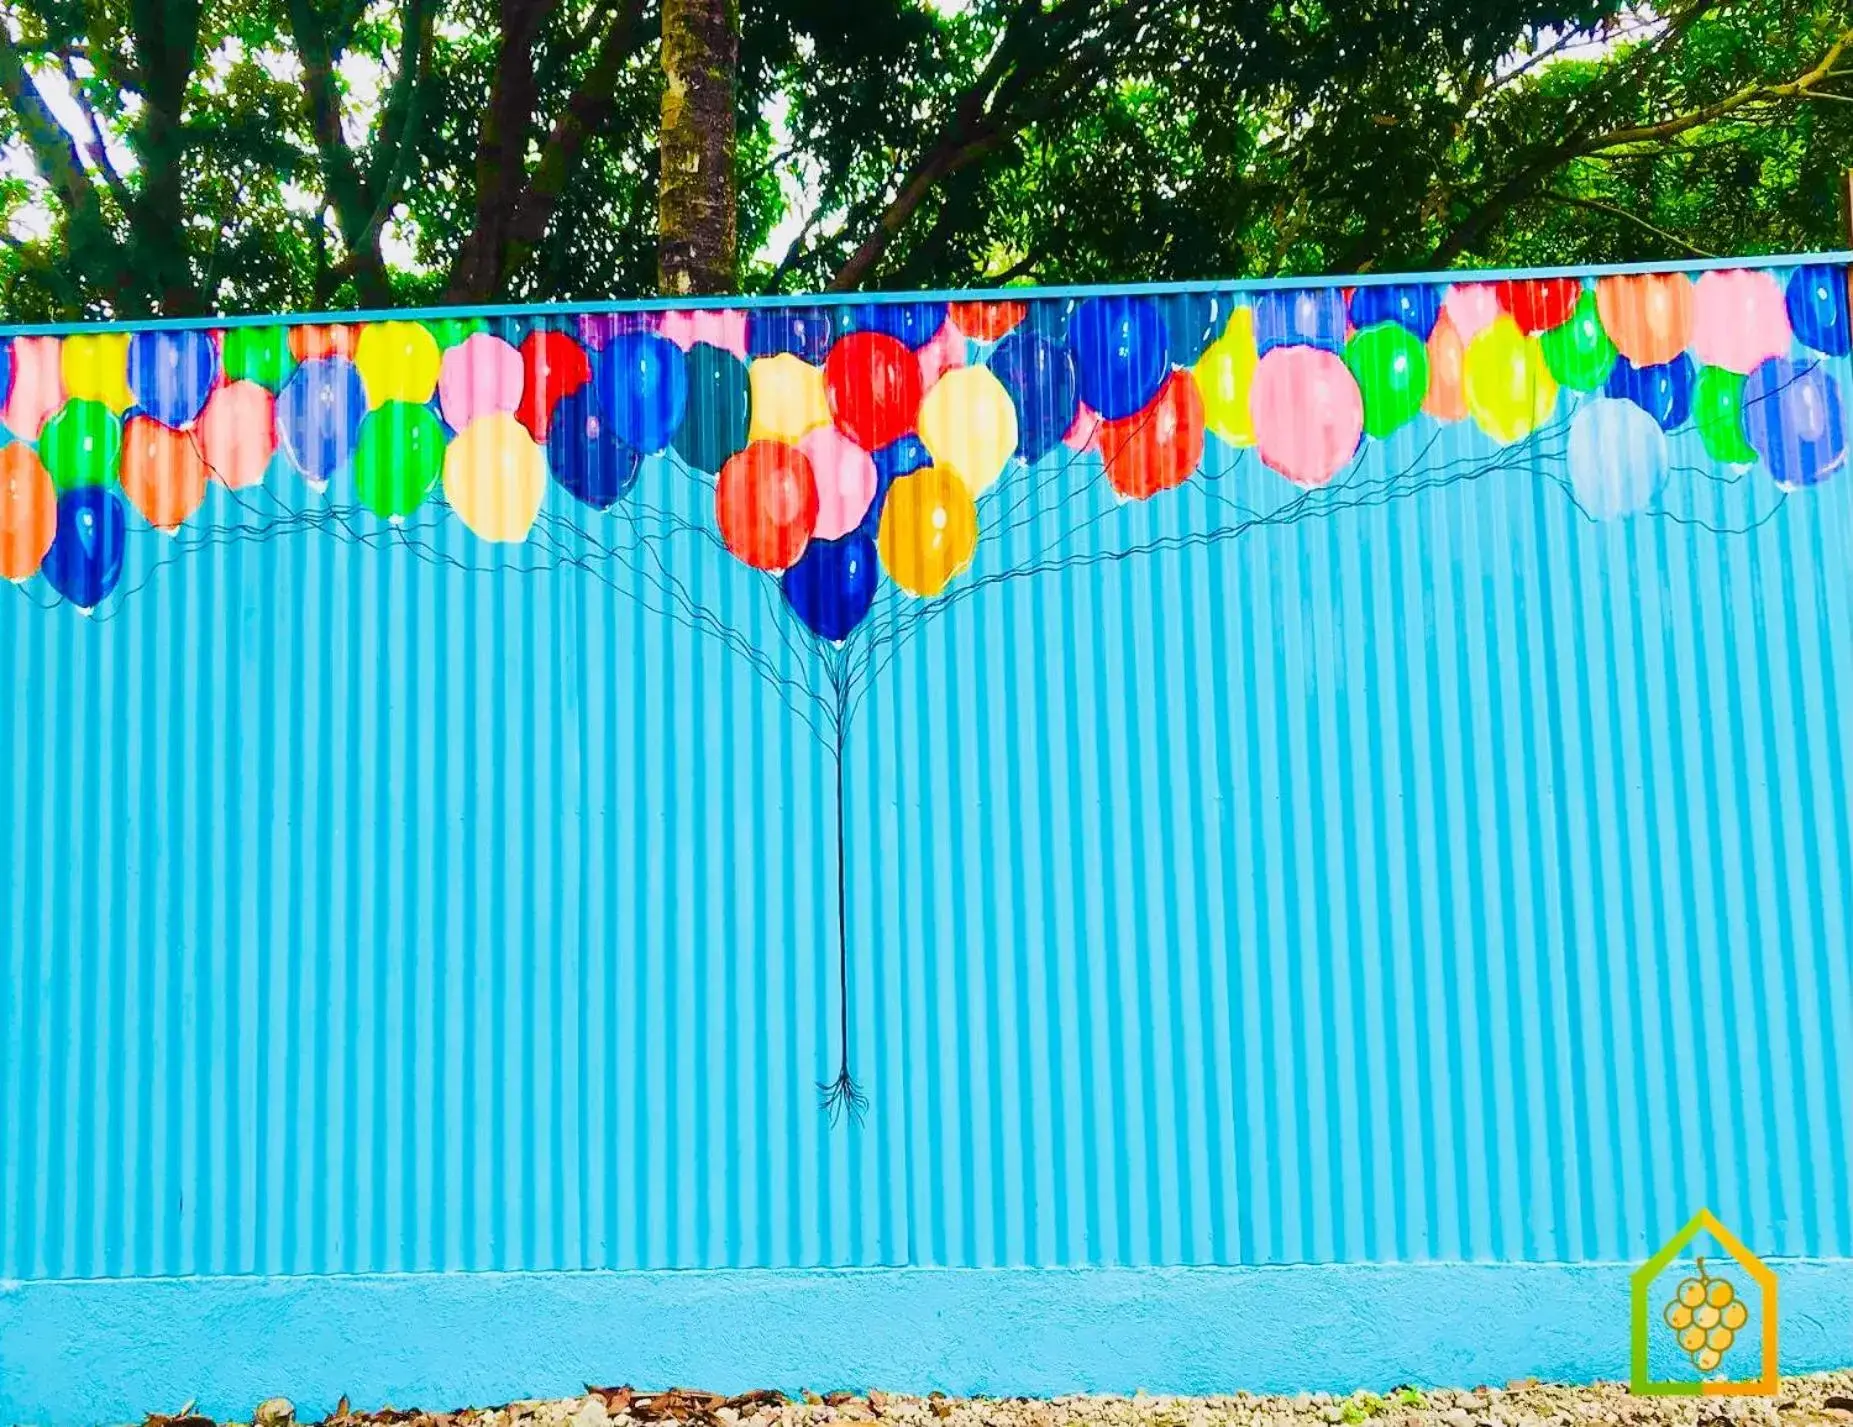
{"type": "Point", "coordinates": [695, 207]}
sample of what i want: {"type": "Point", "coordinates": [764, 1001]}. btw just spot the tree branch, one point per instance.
{"type": "Point", "coordinates": [501, 153]}
{"type": "Point", "coordinates": [586, 112]}
{"type": "Point", "coordinates": [99, 151]}
{"type": "Point", "coordinates": [54, 152]}
{"type": "Point", "coordinates": [1582, 144]}
{"type": "Point", "coordinates": [1595, 205]}
{"type": "Point", "coordinates": [1038, 47]}
{"type": "Point", "coordinates": [360, 202]}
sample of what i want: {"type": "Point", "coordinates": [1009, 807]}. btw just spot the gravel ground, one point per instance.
{"type": "Point", "coordinates": [1820, 1400]}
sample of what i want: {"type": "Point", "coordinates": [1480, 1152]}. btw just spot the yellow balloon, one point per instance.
{"type": "Point", "coordinates": [1224, 373]}
{"type": "Point", "coordinates": [929, 529]}
{"type": "Point", "coordinates": [788, 398]}
{"type": "Point", "coordinates": [969, 425]}
{"type": "Point", "coordinates": [96, 368]}
{"type": "Point", "coordinates": [1508, 388]}
{"type": "Point", "coordinates": [495, 477]}
{"type": "Point", "coordinates": [398, 361]}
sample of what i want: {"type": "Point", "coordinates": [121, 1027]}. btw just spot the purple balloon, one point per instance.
{"type": "Point", "coordinates": [1792, 418]}
{"type": "Point", "coordinates": [596, 329]}
{"type": "Point", "coordinates": [318, 416]}
{"type": "Point", "coordinates": [1307, 317]}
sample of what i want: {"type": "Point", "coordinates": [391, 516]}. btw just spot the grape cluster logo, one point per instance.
{"type": "Point", "coordinates": [1721, 1323]}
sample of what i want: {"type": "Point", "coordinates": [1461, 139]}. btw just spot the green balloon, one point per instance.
{"type": "Point", "coordinates": [1718, 412]}
{"type": "Point", "coordinates": [398, 458]}
{"type": "Point", "coordinates": [80, 445]}
{"type": "Point", "coordinates": [714, 422]}
{"type": "Point", "coordinates": [450, 331]}
{"type": "Point", "coordinates": [259, 354]}
{"type": "Point", "coordinates": [1391, 365]}
{"type": "Point", "coordinates": [1578, 351]}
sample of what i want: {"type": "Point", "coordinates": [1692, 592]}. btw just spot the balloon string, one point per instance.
{"type": "Point", "coordinates": [842, 1094]}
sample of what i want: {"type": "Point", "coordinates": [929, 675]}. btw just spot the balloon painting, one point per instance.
{"type": "Point", "coordinates": [865, 466]}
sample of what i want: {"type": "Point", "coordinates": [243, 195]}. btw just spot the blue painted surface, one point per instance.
{"type": "Point", "coordinates": [1409, 872]}
{"type": "Point", "coordinates": [82, 1353]}
{"type": "Point", "coordinates": [1445, 878]}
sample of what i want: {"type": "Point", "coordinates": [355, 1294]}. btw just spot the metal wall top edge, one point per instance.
{"type": "Point", "coordinates": [845, 299]}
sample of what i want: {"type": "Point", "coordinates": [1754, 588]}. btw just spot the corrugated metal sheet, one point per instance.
{"type": "Point", "coordinates": [1415, 869]}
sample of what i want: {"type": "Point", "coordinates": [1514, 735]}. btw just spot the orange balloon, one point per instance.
{"type": "Point", "coordinates": [987, 321]}
{"type": "Point", "coordinates": [1159, 447]}
{"type": "Point", "coordinates": [308, 342]}
{"type": "Point", "coordinates": [28, 511]}
{"type": "Point", "coordinates": [162, 472]}
{"type": "Point", "coordinates": [1447, 360]}
{"type": "Point", "coordinates": [1648, 316]}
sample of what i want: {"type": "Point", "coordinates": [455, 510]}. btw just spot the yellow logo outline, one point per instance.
{"type": "Point", "coordinates": [1641, 1284]}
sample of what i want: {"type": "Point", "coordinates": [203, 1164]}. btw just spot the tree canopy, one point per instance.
{"type": "Point", "coordinates": [183, 156]}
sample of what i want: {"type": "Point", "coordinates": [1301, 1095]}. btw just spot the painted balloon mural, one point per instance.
{"type": "Point", "coordinates": [861, 456]}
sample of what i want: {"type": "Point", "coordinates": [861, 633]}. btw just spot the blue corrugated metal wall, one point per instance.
{"type": "Point", "coordinates": [1437, 875]}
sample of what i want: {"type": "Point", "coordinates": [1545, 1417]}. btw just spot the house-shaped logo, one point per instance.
{"type": "Point", "coordinates": [1721, 1322]}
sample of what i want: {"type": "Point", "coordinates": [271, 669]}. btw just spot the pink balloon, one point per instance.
{"type": "Point", "coordinates": [1739, 321]}
{"type": "Point", "coordinates": [1307, 411]}
{"type": "Point", "coordinates": [1471, 306]}
{"type": "Point", "coordinates": [725, 329]}
{"type": "Point", "coordinates": [1083, 433]}
{"type": "Point", "coordinates": [38, 385]}
{"type": "Point", "coordinates": [939, 356]}
{"type": "Point", "coordinates": [237, 433]}
{"type": "Point", "coordinates": [480, 375]}
{"type": "Point", "coordinates": [845, 481]}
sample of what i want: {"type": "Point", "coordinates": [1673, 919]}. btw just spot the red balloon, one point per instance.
{"type": "Point", "coordinates": [987, 321]}
{"type": "Point", "coordinates": [1156, 448]}
{"type": "Point", "coordinates": [1539, 304]}
{"type": "Point", "coordinates": [553, 365]}
{"type": "Point", "coordinates": [874, 385]}
{"type": "Point", "coordinates": [766, 503]}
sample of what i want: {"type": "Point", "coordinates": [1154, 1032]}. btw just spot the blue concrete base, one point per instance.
{"type": "Point", "coordinates": [87, 1352]}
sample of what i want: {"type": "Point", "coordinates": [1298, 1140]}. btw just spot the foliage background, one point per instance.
{"type": "Point", "coordinates": [243, 155]}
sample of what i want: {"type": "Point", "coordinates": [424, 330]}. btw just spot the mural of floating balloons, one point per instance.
{"type": "Point", "coordinates": [841, 447]}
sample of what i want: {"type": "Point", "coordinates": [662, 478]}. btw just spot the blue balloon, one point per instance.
{"type": "Point", "coordinates": [1792, 418]}
{"type": "Point", "coordinates": [586, 456]}
{"type": "Point", "coordinates": [172, 373]}
{"type": "Point", "coordinates": [1120, 355]}
{"type": "Point", "coordinates": [915, 323]}
{"type": "Point", "coordinates": [1663, 391]}
{"type": "Point", "coordinates": [1048, 317]}
{"type": "Point", "coordinates": [833, 584]}
{"type": "Point", "coordinates": [803, 331]}
{"type": "Point", "coordinates": [85, 559]}
{"type": "Point", "coordinates": [1414, 305]}
{"type": "Point", "coordinates": [1817, 303]}
{"type": "Point", "coordinates": [1305, 317]}
{"type": "Point", "coordinates": [318, 416]}
{"type": "Point", "coordinates": [642, 388]}
{"type": "Point", "coordinates": [1193, 320]}
{"type": "Point", "coordinates": [898, 458]}
{"type": "Point", "coordinates": [6, 370]}
{"type": "Point", "coordinates": [1617, 454]}
{"type": "Point", "coordinates": [1039, 375]}
{"type": "Point", "coordinates": [904, 454]}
